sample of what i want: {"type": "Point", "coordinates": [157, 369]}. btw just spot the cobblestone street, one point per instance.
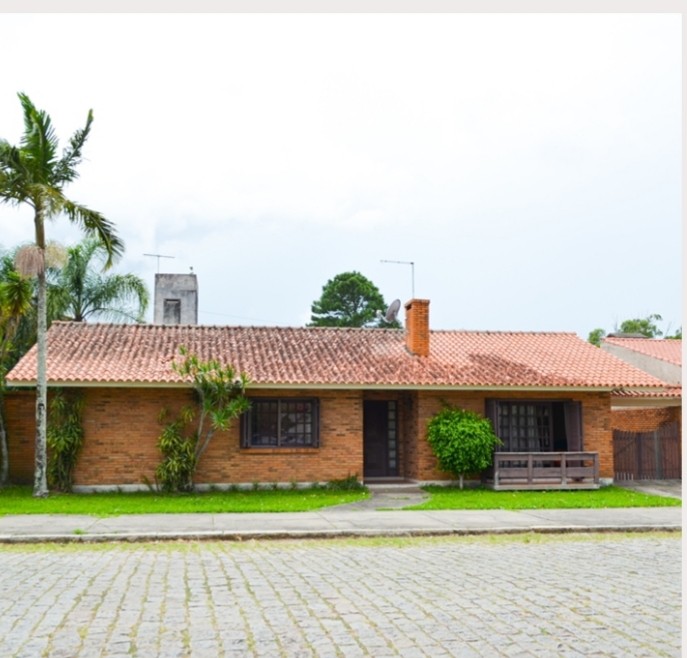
{"type": "Point", "coordinates": [583, 595]}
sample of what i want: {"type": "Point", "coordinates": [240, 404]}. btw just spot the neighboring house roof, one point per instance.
{"type": "Point", "coordinates": [660, 358]}
{"type": "Point", "coordinates": [141, 355]}
{"type": "Point", "coordinates": [668, 350]}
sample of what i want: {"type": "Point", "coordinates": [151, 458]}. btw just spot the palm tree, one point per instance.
{"type": "Point", "coordinates": [15, 302]}
{"type": "Point", "coordinates": [34, 174]}
{"type": "Point", "coordinates": [81, 289]}
{"type": "Point", "coordinates": [18, 312]}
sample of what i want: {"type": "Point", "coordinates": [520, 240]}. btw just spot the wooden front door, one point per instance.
{"type": "Point", "coordinates": [380, 458]}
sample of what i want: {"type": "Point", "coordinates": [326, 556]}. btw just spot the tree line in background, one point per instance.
{"type": "Point", "coordinates": [351, 300]}
{"type": "Point", "coordinates": [646, 327]}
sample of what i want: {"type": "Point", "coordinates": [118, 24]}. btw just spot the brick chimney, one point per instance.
{"type": "Point", "coordinates": [417, 326]}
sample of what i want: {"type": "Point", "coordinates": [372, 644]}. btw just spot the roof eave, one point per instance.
{"type": "Point", "coordinates": [331, 386]}
{"type": "Point", "coordinates": [644, 403]}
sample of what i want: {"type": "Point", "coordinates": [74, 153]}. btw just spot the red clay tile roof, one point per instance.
{"type": "Point", "coordinates": [669, 350]}
{"type": "Point", "coordinates": [328, 357]}
{"type": "Point", "coordinates": [669, 392]}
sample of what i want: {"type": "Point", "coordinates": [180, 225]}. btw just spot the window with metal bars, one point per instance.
{"type": "Point", "coordinates": [281, 423]}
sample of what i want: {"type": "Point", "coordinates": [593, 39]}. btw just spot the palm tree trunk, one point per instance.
{"type": "Point", "coordinates": [40, 479]}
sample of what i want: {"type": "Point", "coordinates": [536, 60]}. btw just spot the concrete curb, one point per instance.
{"type": "Point", "coordinates": [248, 535]}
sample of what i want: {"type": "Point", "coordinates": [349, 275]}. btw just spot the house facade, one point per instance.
{"type": "Point", "coordinates": [326, 403]}
{"type": "Point", "coordinates": [647, 425]}
{"type": "Point", "coordinates": [650, 409]}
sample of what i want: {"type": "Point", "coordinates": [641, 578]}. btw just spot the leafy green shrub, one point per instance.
{"type": "Point", "coordinates": [462, 441]}
{"type": "Point", "coordinates": [175, 471]}
{"type": "Point", "coordinates": [64, 438]}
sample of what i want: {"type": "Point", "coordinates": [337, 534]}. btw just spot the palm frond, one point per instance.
{"type": "Point", "coordinates": [59, 302]}
{"type": "Point", "coordinates": [75, 279]}
{"type": "Point", "coordinates": [95, 224]}
{"type": "Point", "coordinates": [89, 293]}
{"type": "Point", "coordinates": [38, 143]}
{"type": "Point", "coordinates": [9, 157]}
{"type": "Point", "coordinates": [65, 170]}
{"type": "Point", "coordinates": [16, 293]}
{"type": "Point", "coordinates": [120, 297]}
{"type": "Point", "coordinates": [51, 198]}
{"type": "Point", "coordinates": [14, 174]}
{"type": "Point", "coordinates": [5, 147]}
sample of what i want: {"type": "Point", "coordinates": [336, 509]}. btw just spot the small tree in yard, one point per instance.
{"type": "Point", "coordinates": [462, 441]}
{"type": "Point", "coordinates": [220, 399]}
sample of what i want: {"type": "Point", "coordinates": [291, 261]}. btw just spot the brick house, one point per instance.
{"type": "Point", "coordinates": [661, 358]}
{"type": "Point", "coordinates": [326, 402]}
{"type": "Point", "coordinates": [647, 425]}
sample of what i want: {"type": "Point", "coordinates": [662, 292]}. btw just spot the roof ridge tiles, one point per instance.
{"type": "Point", "coordinates": [505, 332]}
{"type": "Point", "coordinates": [240, 327]}
{"type": "Point", "coordinates": [282, 326]}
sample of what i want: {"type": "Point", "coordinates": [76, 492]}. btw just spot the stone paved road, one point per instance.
{"type": "Point", "coordinates": [512, 596]}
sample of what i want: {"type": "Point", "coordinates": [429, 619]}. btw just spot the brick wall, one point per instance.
{"type": "Point", "coordinates": [20, 417]}
{"type": "Point", "coordinates": [340, 453]}
{"type": "Point", "coordinates": [121, 431]}
{"type": "Point", "coordinates": [645, 420]}
{"type": "Point", "coordinates": [597, 432]}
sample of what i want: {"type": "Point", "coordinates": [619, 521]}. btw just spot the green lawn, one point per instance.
{"type": "Point", "coordinates": [483, 499]}
{"type": "Point", "coordinates": [19, 500]}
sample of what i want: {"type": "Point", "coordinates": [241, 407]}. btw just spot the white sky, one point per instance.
{"type": "Point", "coordinates": [528, 164]}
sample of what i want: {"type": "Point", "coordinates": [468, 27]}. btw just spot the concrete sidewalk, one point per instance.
{"type": "Point", "coordinates": [379, 515]}
{"type": "Point", "coordinates": [330, 523]}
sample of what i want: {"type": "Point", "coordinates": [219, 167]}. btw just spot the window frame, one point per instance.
{"type": "Point", "coordinates": [565, 411]}
{"type": "Point", "coordinates": [282, 442]}
{"type": "Point", "coordinates": [528, 423]}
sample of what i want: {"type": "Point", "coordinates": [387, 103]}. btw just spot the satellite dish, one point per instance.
{"type": "Point", "coordinates": [392, 311]}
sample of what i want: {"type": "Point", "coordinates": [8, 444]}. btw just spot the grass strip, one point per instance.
{"type": "Point", "coordinates": [19, 500]}
{"type": "Point", "coordinates": [453, 498]}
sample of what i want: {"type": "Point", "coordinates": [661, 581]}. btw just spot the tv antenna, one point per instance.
{"type": "Point", "coordinates": [412, 271]}
{"type": "Point", "coordinates": [158, 256]}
